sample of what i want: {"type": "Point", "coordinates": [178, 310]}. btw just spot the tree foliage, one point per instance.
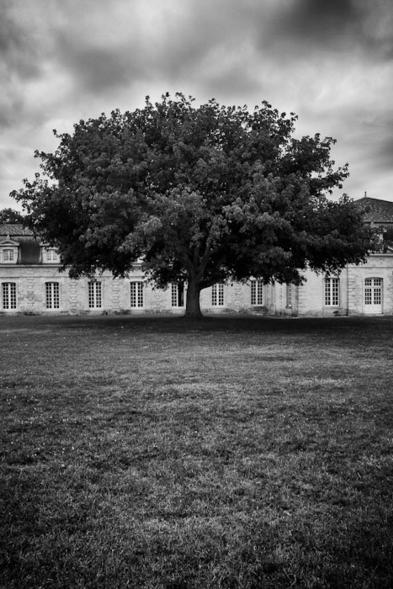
{"type": "Point", "coordinates": [9, 215]}
{"type": "Point", "coordinates": [204, 194]}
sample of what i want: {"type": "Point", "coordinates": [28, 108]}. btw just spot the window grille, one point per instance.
{"type": "Point", "coordinates": [217, 295]}
{"type": "Point", "coordinates": [95, 295]}
{"type": "Point", "coordinates": [331, 291]}
{"type": "Point", "coordinates": [373, 291]}
{"type": "Point", "coordinates": [136, 294]}
{"type": "Point", "coordinates": [9, 295]}
{"type": "Point", "coordinates": [174, 294]}
{"type": "Point", "coordinates": [52, 295]}
{"type": "Point", "coordinates": [256, 292]}
{"type": "Point", "coordinates": [177, 294]}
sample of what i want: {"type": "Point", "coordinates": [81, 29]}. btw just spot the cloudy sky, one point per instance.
{"type": "Point", "coordinates": [329, 61]}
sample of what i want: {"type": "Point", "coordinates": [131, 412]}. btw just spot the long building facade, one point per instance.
{"type": "Point", "coordinates": [31, 283]}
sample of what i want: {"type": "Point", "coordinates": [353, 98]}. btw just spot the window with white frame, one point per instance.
{"type": "Point", "coordinates": [136, 294]}
{"type": "Point", "coordinates": [52, 295]}
{"type": "Point", "coordinates": [50, 255]}
{"type": "Point", "coordinates": [8, 293]}
{"type": "Point", "coordinates": [373, 291]}
{"type": "Point", "coordinates": [332, 285]}
{"type": "Point", "coordinates": [218, 295]}
{"type": "Point", "coordinates": [177, 294]}
{"type": "Point", "coordinates": [256, 292]}
{"type": "Point", "coordinates": [9, 255]}
{"type": "Point", "coordinates": [95, 295]}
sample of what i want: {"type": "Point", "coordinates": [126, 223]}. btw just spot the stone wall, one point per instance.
{"type": "Point", "coordinates": [351, 289]}
{"type": "Point", "coordinates": [115, 292]}
{"type": "Point", "coordinates": [305, 300]}
{"type": "Point", "coordinates": [377, 266]}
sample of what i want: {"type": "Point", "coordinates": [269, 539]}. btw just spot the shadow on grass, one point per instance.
{"type": "Point", "coordinates": [181, 324]}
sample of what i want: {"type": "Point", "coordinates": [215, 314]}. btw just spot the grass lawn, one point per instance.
{"type": "Point", "coordinates": [234, 452]}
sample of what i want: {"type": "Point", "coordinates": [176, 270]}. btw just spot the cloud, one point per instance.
{"type": "Point", "coordinates": [169, 43]}
{"type": "Point", "coordinates": [336, 26]}
{"type": "Point", "coordinates": [18, 48]}
{"type": "Point", "coordinates": [23, 50]}
{"type": "Point", "coordinates": [330, 61]}
{"type": "Point", "coordinates": [98, 68]}
{"type": "Point", "coordinates": [318, 21]}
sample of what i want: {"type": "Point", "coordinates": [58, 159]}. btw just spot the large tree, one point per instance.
{"type": "Point", "coordinates": [11, 216]}
{"type": "Point", "coordinates": [203, 194]}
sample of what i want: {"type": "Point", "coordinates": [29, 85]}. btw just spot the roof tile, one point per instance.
{"type": "Point", "coordinates": [378, 211]}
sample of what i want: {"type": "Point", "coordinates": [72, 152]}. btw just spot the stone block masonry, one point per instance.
{"type": "Point", "coordinates": [357, 290]}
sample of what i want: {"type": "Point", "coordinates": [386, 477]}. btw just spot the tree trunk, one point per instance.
{"type": "Point", "coordinates": [193, 309]}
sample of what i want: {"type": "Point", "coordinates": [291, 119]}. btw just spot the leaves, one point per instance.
{"type": "Point", "coordinates": [9, 215]}
{"type": "Point", "coordinates": [204, 193]}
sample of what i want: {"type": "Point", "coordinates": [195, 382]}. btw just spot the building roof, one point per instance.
{"type": "Point", "coordinates": [14, 230]}
{"type": "Point", "coordinates": [29, 246]}
{"type": "Point", "coordinates": [377, 210]}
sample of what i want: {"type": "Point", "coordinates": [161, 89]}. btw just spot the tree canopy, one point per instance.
{"type": "Point", "coordinates": [203, 194]}
{"type": "Point", "coordinates": [9, 215]}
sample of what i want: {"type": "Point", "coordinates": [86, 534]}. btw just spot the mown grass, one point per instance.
{"type": "Point", "coordinates": [228, 453]}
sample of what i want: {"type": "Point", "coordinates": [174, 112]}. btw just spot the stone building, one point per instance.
{"type": "Point", "coordinates": [31, 283]}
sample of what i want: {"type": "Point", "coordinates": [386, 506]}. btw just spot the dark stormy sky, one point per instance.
{"type": "Point", "coordinates": [329, 61]}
